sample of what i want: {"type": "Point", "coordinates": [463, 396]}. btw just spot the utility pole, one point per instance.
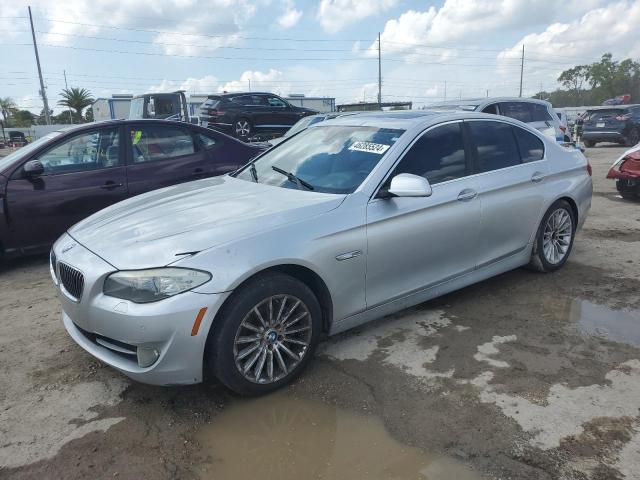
{"type": "Point", "coordinates": [249, 84]}
{"type": "Point", "coordinates": [42, 90]}
{"type": "Point", "coordinates": [379, 74]}
{"type": "Point", "coordinates": [64, 72]}
{"type": "Point", "coordinates": [487, 93]}
{"type": "Point", "coordinates": [521, 69]}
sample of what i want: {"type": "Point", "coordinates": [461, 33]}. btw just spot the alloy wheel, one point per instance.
{"type": "Point", "coordinates": [557, 236]}
{"type": "Point", "coordinates": [243, 128]}
{"type": "Point", "coordinates": [272, 339]}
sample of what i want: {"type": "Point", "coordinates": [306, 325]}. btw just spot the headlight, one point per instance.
{"type": "Point", "coordinates": [144, 286]}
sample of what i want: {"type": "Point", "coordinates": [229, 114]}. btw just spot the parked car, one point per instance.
{"type": "Point", "coordinates": [67, 175]}
{"type": "Point", "coordinates": [564, 124]}
{"type": "Point", "coordinates": [619, 124]}
{"type": "Point", "coordinates": [17, 139]}
{"type": "Point", "coordinates": [239, 276]}
{"type": "Point", "coordinates": [537, 113]}
{"type": "Point", "coordinates": [245, 115]}
{"type": "Point", "coordinates": [306, 122]}
{"type": "Point", "coordinates": [626, 172]}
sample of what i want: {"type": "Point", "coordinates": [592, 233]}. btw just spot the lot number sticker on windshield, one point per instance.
{"type": "Point", "coordinates": [370, 147]}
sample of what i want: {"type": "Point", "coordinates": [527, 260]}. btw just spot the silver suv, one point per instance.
{"type": "Point", "coordinates": [537, 113]}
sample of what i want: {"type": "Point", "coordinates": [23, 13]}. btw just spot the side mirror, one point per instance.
{"type": "Point", "coordinates": [33, 168]}
{"type": "Point", "coordinates": [409, 185]}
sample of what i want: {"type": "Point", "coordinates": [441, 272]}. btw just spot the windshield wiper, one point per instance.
{"type": "Point", "coordinates": [254, 173]}
{"type": "Point", "coordinates": [293, 179]}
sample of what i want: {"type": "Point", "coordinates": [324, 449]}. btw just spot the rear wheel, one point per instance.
{"type": "Point", "coordinates": [633, 138]}
{"type": "Point", "coordinates": [589, 143]}
{"type": "Point", "coordinates": [242, 128]}
{"type": "Point", "coordinates": [266, 334]}
{"type": "Point", "coordinates": [554, 239]}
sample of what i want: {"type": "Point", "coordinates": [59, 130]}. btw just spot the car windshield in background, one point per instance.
{"type": "Point", "coordinates": [28, 148]}
{"type": "Point", "coordinates": [330, 159]}
{"type": "Point", "coordinates": [466, 108]}
{"type": "Point", "coordinates": [605, 113]}
{"type": "Point", "coordinates": [302, 124]}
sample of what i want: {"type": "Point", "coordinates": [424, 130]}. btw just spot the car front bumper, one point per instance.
{"type": "Point", "coordinates": [120, 333]}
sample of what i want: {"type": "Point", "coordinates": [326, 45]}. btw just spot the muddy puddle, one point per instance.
{"type": "Point", "coordinates": [598, 320]}
{"type": "Point", "coordinates": [280, 437]}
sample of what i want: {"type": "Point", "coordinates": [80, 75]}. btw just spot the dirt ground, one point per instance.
{"type": "Point", "coordinates": [524, 376]}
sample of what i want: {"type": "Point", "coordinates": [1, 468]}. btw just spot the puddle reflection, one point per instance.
{"type": "Point", "coordinates": [598, 320]}
{"type": "Point", "coordinates": [280, 437]}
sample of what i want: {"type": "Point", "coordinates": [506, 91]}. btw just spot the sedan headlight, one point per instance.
{"type": "Point", "coordinates": [144, 286]}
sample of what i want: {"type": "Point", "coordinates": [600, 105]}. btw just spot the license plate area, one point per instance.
{"type": "Point", "coordinates": [600, 125]}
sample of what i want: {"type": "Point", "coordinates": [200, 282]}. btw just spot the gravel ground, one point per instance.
{"type": "Point", "coordinates": [524, 376]}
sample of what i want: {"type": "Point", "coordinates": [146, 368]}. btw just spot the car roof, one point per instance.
{"type": "Point", "coordinates": [612, 107]}
{"type": "Point", "coordinates": [478, 101]}
{"type": "Point", "coordinates": [121, 121]}
{"type": "Point", "coordinates": [405, 119]}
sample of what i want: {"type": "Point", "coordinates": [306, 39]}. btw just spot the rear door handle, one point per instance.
{"type": "Point", "coordinates": [467, 194]}
{"type": "Point", "coordinates": [110, 185]}
{"type": "Point", "coordinates": [537, 177]}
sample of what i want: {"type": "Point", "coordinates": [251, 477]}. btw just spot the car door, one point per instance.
{"type": "Point", "coordinates": [83, 173]}
{"type": "Point", "coordinates": [160, 155]}
{"type": "Point", "coordinates": [510, 168]}
{"type": "Point", "coordinates": [222, 155]}
{"type": "Point", "coordinates": [417, 242]}
{"type": "Point", "coordinates": [282, 115]}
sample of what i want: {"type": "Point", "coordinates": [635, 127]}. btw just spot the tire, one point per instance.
{"type": "Point", "coordinates": [242, 128]}
{"type": "Point", "coordinates": [633, 138]}
{"type": "Point", "coordinates": [542, 258]}
{"type": "Point", "coordinates": [231, 337]}
{"type": "Point", "coordinates": [589, 143]}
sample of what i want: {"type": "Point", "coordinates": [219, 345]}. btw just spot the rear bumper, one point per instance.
{"type": "Point", "coordinates": [603, 136]}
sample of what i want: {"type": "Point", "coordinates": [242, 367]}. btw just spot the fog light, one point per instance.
{"type": "Point", "coordinates": [147, 356]}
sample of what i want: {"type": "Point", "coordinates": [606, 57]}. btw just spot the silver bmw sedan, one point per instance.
{"type": "Point", "coordinates": [239, 277]}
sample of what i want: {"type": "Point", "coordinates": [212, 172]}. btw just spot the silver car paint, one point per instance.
{"type": "Point", "coordinates": [399, 251]}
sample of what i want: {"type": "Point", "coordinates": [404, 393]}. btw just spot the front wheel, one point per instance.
{"type": "Point", "coordinates": [265, 335]}
{"type": "Point", "coordinates": [589, 143]}
{"type": "Point", "coordinates": [554, 239]}
{"type": "Point", "coordinates": [633, 138]}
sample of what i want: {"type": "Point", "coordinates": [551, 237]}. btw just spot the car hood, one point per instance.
{"type": "Point", "coordinates": [161, 227]}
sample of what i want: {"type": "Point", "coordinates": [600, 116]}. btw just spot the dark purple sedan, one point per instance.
{"type": "Point", "coordinates": [56, 181]}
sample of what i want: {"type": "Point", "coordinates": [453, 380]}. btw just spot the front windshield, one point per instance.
{"type": "Point", "coordinates": [302, 124]}
{"type": "Point", "coordinates": [27, 149]}
{"type": "Point", "coordinates": [329, 159]}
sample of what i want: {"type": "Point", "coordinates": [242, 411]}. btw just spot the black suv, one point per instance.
{"type": "Point", "coordinates": [250, 114]}
{"type": "Point", "coordinates": [618, 124]}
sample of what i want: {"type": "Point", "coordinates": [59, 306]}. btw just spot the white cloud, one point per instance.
{"type": "Point", "coordinates": [291, 15]}
{"type": "Point", "coordinates": [335, 15]}
{"type": "Point", "coordinates": [271, 81]}
{"type": "Point", "coordinates": [459, 20]}
{"type": "Point", "coordinates": [209, 24]}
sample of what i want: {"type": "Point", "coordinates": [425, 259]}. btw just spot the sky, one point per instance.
{"type": "Point", "coordinates": [430, 50]}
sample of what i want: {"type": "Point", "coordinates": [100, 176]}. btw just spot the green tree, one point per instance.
{"type": "Point", "coordinates": [7, 106]}
{"type": "Point", "coordinates": [573, 79]}
{"type": "Point", "coordinates": [88, 115]}
{"type": "Point", "coordinates": [21, 119]}
{"type": "Point", "coordinates": [614, 78]}
{"type": "Point", "coordinates": [76, 98]}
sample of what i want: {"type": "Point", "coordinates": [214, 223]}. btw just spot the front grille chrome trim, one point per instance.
{"type": "Point", "coordinates": [71, 280]}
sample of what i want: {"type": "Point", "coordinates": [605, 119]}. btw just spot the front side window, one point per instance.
{"type": "Point", "coordinates": [275, 102]}
{"type": "Point", "coordinates": [155, 142]}
{"type": "Point", "coordinates": [437, 156]}
{"type": "Point", "coordinates": [329, 159]}
{"type": "Point", "coordinates": [207, 141]}
{"type": "Point", "coordinates": [517, 110]}
{"type": "Point", "coordinates": [86, 151]}
{"type": "Point", "coordinates": [531, 147]}
{"type": "Point", "coordinates": [492, 109]}
{"type": "Point", "coordinates": [495, 145]}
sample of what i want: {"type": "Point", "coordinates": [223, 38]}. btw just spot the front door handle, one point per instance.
{"type": "Point", "coordinates": [467, 194]}
{"type": "Point", "coordinates": [198, 172]}
{"type": "Point", "coordinates": [110, 185]}
{"type": "Point", "coordinates": [537, 177]}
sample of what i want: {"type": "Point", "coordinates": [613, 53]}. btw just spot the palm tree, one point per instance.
{"type": "Point", "coordinates": [7, 105]}
{"type": "Point", "coordinates": [76, 98]}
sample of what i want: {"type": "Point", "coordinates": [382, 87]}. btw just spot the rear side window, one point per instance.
{"type": "Point", "coordinates": [539, 113]}
{"type": "Point", "coordinates": [495, 145]}
{"type": "Point", "coordinates": [437, 156]}
{"type": "Point", "coordinates": [153, 143]}
{"type": "Point", "coordinates": [492, 109]}
{"type": "Point", "coordinates": [531, 147]}
{"type": "Point", "coordinates": [518, 110]}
